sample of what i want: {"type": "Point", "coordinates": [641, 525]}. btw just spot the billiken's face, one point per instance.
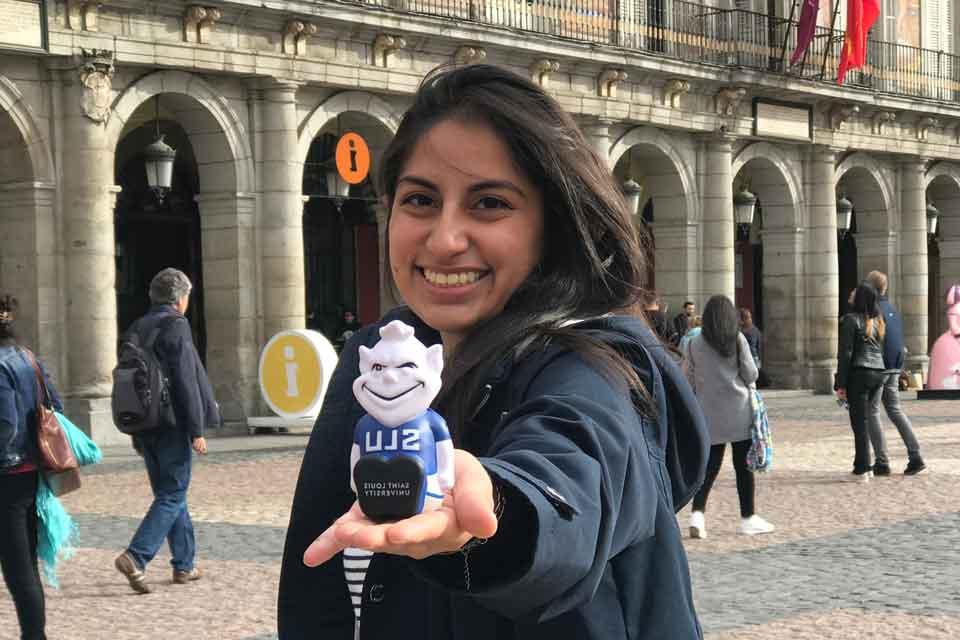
{"type": "Point", "coordinates": [399, 377]}
{"type": "Point", "coordinates": [466, 228]}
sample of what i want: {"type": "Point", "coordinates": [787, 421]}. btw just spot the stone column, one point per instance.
{"type": "Point", "coordinates": [281, 213]}
{"type": "Point", "coordinates": [28, 267]}
{"type": "Point", "coordinates": [822, 269]}
{"type": "Point", "coordinates": [597, 133]}
{"type": "Point", "coordinates": [229, 285]}
{"type": "Point", "coordinates": [88, 198]}
{"type": "Point", "coordinates": [676, 261]}
{"type": "Point", "coordinates": [913, 261]}
{"type": "Point", "coordinates": [783, 305]}
{"type": "Point", "coordinates": [717, 220]}
{"type": "Point", "coordinates": [876, 251]}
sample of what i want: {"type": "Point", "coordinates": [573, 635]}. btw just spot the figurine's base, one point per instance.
{"type": "Point", "coordinates": [938, 394]}
{"type": "Point", "coordinates": [389, 489]}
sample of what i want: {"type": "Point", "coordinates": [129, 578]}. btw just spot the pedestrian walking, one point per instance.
{"type": "Point", "coordinates": [657, 318]}
{"type": "Point", "coordinates": [861, 371]}
{"type": "Point", "coordinates": [696, 327]}
{"type": "Point", "coordinates": [20, 474]}
{"type": "Point", "coordinates": [721, 370]}
{"type": "Point", "coordinates": [512, 245]}
{"type": "Point", "coordinates": [166, 450]}
{"type": "Point", "coordinates": [684, 320]}
{"type": "Point", "coordinates": [893, 351]}
{"type": "Point", "coordinates": [755, 339]}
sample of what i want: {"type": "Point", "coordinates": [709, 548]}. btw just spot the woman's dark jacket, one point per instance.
{"type": "Point", "coordinates": [588, 546]}
{"type": "Point", "coordinates": [856, 351]}
{"type": "Point", "coordinates": [18, 407]}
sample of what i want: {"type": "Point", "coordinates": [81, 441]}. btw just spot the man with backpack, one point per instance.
{"type": "Point", "coordinates": [163, 398]}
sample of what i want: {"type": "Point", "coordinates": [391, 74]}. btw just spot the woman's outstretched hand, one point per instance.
{"type": "Point", "coordinates": [467, 512]}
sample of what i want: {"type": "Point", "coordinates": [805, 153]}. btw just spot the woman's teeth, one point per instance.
{"type": "Point", "coordinates": [451, 279]}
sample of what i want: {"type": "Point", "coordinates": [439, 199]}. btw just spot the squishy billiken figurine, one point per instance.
{"type": "Point", "coordinates": [402, 457]}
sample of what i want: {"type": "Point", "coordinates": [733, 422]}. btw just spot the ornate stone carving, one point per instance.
{"type": "Point", "coordinates": [673, 90]}
{"type": "Point", "coordinates": [294, 37]}
{"type": "Point", "coordinates": [82, 15]}
{"type": "Point", "coordinates": [96, 73]}
{"type": "Point", "coordinates": [608, 81]}
{"type": "Point", "coordinates": [198, 22]}
{"type": "Point", "coordinates": [468, 54]}
{"type": "Point", "coordinates": [840, 113]}
{"type": "Point", "coordinates": [541, 69]}
{"type": "Point", "coordinates": [881, 119]}
{"type": "Point", "coordinates": [384, 46]}
{"type": "Point", "coordinates": [924, 125]}
{"type": "Point", "coordinates": [728, 99]}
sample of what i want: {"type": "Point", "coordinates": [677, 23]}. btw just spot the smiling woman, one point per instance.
{"type": "Point", "coordinates": [513, 248]}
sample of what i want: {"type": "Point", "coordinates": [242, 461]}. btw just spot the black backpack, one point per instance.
{"type": "Point", "coordinates": [140, 399]}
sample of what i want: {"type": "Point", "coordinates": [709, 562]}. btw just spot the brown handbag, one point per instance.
{"type": "Point", "coordinates": [56, 455]}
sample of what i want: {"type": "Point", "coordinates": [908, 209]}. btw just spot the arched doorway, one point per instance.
{"type": "Point", "coordinates": [341, 235]}
{"type": "Point", "coordinates": [664, 212]}
{"type": "Point", "coordinates": [869, 244]}
{"type": "Point", "coordinates": [768, 277]}
{"type": "Point", "coordinates": [151, 234]}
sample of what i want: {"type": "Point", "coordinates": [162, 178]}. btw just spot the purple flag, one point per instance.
{"type": "Point", "coordinates": [805, 28]}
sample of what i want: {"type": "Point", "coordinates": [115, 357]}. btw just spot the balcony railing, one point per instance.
{"type": "Point", "coordinates": [696, 33]}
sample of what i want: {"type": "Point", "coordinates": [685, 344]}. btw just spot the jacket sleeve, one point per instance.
{"type": "Point", "coordinates": [182, 363]}
{"type": "Point", "coordinates": [580, 487]}
{"type": "Point", "coordinates": [315, 603]}
{"type": "Point", "coordinates": [748, 368]}
{"type": "Point", "coordinates": [848, 334]}
{"type": "Point", "coordinates": [9, 415]}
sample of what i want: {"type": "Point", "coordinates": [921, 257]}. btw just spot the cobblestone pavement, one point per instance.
{"type": "Point", "coordinates": [847, 560]}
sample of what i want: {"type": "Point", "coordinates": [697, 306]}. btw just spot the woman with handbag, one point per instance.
{"type": "Point", "coordinates": [19, 475]}
{"type": "Point", "coordinates": [861, 370]}
{"type": "Point", "coordinates": [721, 370]}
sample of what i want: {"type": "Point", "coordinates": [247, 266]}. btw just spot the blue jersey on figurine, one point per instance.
{"type": "Point", "coordinates": [401, 462]}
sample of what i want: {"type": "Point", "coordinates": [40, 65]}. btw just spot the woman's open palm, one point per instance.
{"type": "Point", "coordinates": [467, 512]}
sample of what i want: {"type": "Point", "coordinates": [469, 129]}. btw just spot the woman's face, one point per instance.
{"type": "Point", "coordinates": [466, 228]}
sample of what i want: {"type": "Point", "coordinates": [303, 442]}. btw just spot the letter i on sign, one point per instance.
{"type": "Point", "coordinates": [353, 155]}
{"type": "Point", "coordinates": [291, 370]}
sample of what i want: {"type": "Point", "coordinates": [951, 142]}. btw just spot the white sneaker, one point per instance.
{"type": "Point", "coordinates": [698, 525]}
{"type": "Point", "coordinates": [754, 525]}
{"type": "Point", "coordinates": [860, 478]}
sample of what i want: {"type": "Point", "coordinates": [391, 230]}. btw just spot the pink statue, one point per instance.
{"type": "Point", "coordinates": [945, 354]}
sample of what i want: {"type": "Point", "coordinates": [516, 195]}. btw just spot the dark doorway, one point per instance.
{"type": "Point", "coordinates": [935, 297]}
{"type": "Point", "coordinates": [649, 245]}
{"type": "Point", "coordinates": [849, 267]}
{"type": "Point", "coordinates": [340, 246]}
{"type": "Point", "coordinates": [153, 235]}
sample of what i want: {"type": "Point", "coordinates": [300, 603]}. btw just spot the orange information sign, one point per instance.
{"type": "Point", "coordinates": [353, 158]}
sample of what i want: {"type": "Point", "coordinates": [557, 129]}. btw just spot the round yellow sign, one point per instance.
{"type": "Point", "coordinates": [295, 368]}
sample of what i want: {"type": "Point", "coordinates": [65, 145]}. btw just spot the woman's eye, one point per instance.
{"type": "Point", "coordinates": [418, 200]}
{"type": "Point", "coordinates": [491, 202]}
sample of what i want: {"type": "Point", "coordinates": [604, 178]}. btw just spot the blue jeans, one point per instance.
{"type": "Point", "coordinates": [891, 402]}
{"type": "Point", "coordinates": [168, 457]}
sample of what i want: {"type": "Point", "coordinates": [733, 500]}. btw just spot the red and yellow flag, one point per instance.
{"type": "Point", "coordinates": [861, 14]}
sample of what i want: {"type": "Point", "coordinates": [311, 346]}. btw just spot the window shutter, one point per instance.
{"type": "Point", "coordinates": [933, 24]}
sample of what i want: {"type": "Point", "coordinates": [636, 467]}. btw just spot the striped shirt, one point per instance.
{"type": "Point", "coordinates": [355, 563]}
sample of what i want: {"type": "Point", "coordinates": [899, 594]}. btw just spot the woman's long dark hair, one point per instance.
{"type": "Point", "coordinates": [8, 312]}
{"type": "Point", "coordinates": [592, 260]}
{"type": "Point", "coordinates": [721, 326]}
{"type": "Point", "coordinates": [866, 302]}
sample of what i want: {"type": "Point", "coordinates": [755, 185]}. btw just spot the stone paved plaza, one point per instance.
{"type": "Point", "coordinates": [847, 560]}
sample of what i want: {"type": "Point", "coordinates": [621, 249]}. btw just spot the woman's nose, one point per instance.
{"type": "Point", "coordinates": [449, 233]}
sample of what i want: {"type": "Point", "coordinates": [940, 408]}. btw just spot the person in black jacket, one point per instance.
{"type": "Point", "coordinates": [860, 370]}
{"type": "Point", "coordinates": [19, 475]}
{"type": "Point", "coordinates": [893, 350]}
{"type": "Point", "coordinates": [166, 450]}
{"type": "Point", "coordinates": [512, 245]}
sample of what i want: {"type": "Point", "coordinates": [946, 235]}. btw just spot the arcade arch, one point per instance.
{"type": "Point", "coordinates": [943, 191]}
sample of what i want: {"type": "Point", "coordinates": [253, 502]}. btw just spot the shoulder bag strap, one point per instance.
{"type": "Point", "coordinates": [43, 397]}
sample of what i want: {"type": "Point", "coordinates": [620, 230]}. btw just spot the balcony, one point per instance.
{"type": "Point", "coordinates": [694, 33]}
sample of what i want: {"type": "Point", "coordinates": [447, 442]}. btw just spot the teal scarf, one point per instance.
{"type": "Point", "coordinates": [57, 533]}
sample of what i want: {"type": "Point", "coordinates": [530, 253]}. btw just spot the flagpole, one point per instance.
{"type": "Point", "coordinates": [830, 40]}
{"type": "Point", "coordinates": [786, 36]}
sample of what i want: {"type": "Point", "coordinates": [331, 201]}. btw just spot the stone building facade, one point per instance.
{"type": "Point", "coordinates": [673, 100]}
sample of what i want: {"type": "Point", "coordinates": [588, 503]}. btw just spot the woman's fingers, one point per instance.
{"type": "Point", "coordinates": [431, 525]}
{"type": "Point", "coordinates": [323, 548]}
